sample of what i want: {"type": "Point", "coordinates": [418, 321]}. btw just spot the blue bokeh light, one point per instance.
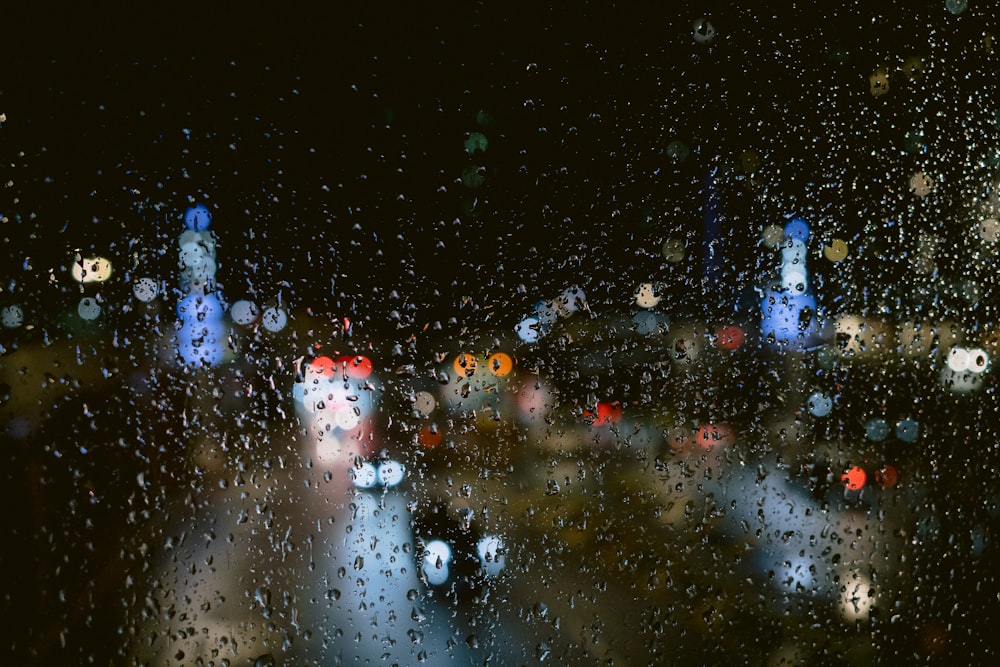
{"type": "Point", "coordinates": [197, 217]}
{"type": "Point", "coordinates": [201, 343]}
{"type": "Point", "coordinates": [787, 316]}
{"type": "Point", "coordinates": [797, 229]}
{"type": "Point", "coordinates": [204, 308]}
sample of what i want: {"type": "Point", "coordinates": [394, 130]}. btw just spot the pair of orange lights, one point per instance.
{"type": "Point", "coordinates": [499, 364]}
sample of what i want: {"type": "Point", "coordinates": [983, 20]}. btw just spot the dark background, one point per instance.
{"type": "Point", "coordinates": [337, 138]}
{"type": "Point", "coordinates": [329, 145]}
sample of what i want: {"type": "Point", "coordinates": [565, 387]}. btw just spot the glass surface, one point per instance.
{"type": "Point", "coordinates": [590, 336]}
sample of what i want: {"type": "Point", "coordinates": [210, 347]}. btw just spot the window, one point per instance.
{"type": "Point", "coordinates": [604, 335]}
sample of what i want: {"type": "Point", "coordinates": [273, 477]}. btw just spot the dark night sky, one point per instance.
{"type": "Point", "coordinates": [337, 138]}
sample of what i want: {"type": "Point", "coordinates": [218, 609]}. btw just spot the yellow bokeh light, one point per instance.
{"type": "Point", "coordinates": [836, 251]}
{"type": "Point", "coordinates": [878, 82]}
{"type": "Point", "coordinates": [646, 295]}
{"type": "Point", "coordinates": [921, 184]}
{"type": "Point", "coordinates": [673, 250]}
{"type": "Point", "coordinates": [989, 230]}
{"type": "Point", "coordinates": [863, 337]}
{"type": "Point", "coordinates": [91, 270]}
{"type": "Point", "coordinates": [773, 236]}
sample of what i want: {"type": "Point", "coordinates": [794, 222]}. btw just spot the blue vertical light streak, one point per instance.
{"type": "Point", "coordinates": [201, 336]}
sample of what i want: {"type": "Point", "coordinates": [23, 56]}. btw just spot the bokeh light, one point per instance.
{"type": "Point", "coordinates": [357, 367]}
{"type": "Point", "coordinates": [430, 436]}
{"type": "Point", "coordinates": [854, 479]}
{"type": "Point", "coordinates": [274, 319]}
{"type": "Point", "coordinates": [606, 413]}
{"type": "Point", "coordinates": [12, 316]}
{"type": "Point", "coordinates": [673, 250]}
{"type": "Point", "coordinates": [424, 402]}
{"type": "Point", "coordinates": [836, 251]}
{"type": "Point", "coordinates": [646, 295]}
{"type": "Point", "coordinates": [91, 270]}
{"type": "Point", "coordinates": [709, 436]}
{"type": "Point", "coordinates": [465, 365]}
{"type": "Point", "coordinates": [391, 473]}
{"type": "Point", "coordinates": [492, 557]}
{"type": "Point", "coordinates": [145, 289]}
{"type": "Point", "coordinates": [887, 476]}
{"type": "Point", "coordinates": [529, 330]}
{"type": "Point", "coordinates": [88, 308]}
{"type": "Point", "coordinates": [364, 475]}
{"type": "Point", "coordinates": [197, 218]}
{"type": "Point", "coordinates": [907, 430]}
{"type": "Point", "coordinates": [729, 337]}
{"type": "Point", "coordinates": [244, 312]}
{"type": "Point", "coordinates": [500, 364]}
{"type": "Point", "coordinates": [819, 404]}
{"type": "Point", "coordinates": [437, 555]}
{"type": "Point", "coordinates": [876, 429]}
{"type": "Point", "coordinates": [856, 597]}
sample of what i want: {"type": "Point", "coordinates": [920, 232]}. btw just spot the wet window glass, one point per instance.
{"type": "Point", "coordinates": [605, 335]}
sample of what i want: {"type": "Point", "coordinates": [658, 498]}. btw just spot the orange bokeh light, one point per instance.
{"type": "Point", "coordinates": [465, 365]}
{"type": "Point", "coordinates": [854, 479]}
{"type": "Point", "coordinates": [500, 364]}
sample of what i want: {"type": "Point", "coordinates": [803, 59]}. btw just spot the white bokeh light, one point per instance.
{"type": "Point", "coordinates": [145, 289]}
{"type": "Point", "coordinates": [856, 597]}
{"type": "Point", "coordinates": [391, 473]}
{"type": "Point", "coordinates": [958, 359]}
{"type": "Point", "coordinates": [12, 316]}
{"type": "Point", "coordinates": [437, 555]}
{"type": "Point", "coordinates": [274, 319]}
{"type": "Point", "coordinates": [244, 312]}
{"type": "Point", "coordinates": [491, 555]}
{"type": "Point", "coordinates": [646, 295]}
{"type": "Point", "coordinates": [88, 308]}
{"type": "Point", "coordinates": [364, 476]}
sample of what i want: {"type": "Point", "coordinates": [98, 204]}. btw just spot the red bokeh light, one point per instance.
{"type": "Point", "coordinates": [358, 367]}
{"type": "Point", "coordinates": [429, 436]}
{"type": "Point", "coordinates": [322, 366]}
{"type": "Point", "coordinates": [714, 435]}
{"type": "Point", "coordinates": [887, 476]}
{"type": "Point", "coordinates": [730, 337]}
{"type": "Point", "coordinates": [607, 413]}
